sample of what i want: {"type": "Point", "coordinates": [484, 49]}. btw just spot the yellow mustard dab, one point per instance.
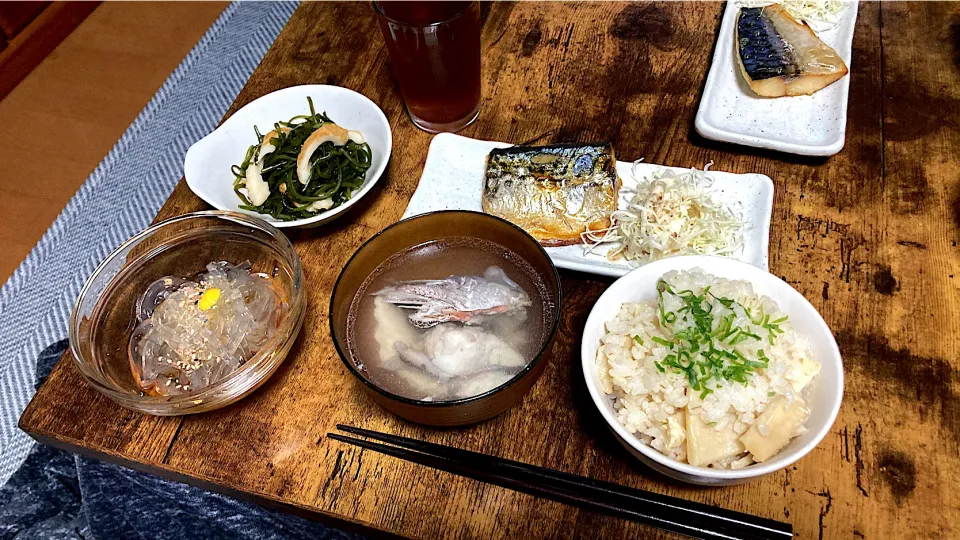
{"type": "Point", "coordinates": [209, 298]}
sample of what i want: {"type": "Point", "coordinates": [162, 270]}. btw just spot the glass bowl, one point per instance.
{"type": "Point", "coordinates": [423, 229]}
{"type": "Point", "coordinates": [103, 319]}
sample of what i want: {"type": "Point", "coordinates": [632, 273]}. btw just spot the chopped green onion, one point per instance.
{"type": "Point", "coordinates": [706, 345]}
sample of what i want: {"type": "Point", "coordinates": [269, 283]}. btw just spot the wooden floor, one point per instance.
{"type": "Point", "coordinates": [67, 114]}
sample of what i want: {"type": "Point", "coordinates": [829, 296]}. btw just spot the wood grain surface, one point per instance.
{"type": "Point", "coordinates": [869, 236]}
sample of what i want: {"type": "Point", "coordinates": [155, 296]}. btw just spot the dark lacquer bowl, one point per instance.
{"type": "Point", "coordinates": [427, 228]}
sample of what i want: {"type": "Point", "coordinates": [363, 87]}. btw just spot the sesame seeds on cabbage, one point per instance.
{"type": "Point", "coordinates": [671, 214]}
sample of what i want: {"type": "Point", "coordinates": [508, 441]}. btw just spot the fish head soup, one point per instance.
{"type": "Point", "coordinates": [448, 319]}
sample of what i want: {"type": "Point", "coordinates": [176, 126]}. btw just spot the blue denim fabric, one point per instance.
{"type": "Point", "coordinates": [56, 495]}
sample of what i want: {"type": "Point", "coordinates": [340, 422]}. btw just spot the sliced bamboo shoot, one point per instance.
{"type": "Point", "coordinates": [773, 429]}
{"type": "Point", "coordinates": [706, 445]}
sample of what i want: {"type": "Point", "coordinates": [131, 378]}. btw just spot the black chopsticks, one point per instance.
{"type": "Point", "coordinates": [661, 511]}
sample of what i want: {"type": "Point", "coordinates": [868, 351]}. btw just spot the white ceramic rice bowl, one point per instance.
{"type": "Point", "coordinates": [824, 401]}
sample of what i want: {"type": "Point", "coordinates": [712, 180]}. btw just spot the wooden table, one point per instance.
{"type": "Point", "coordinates": [869, 236]}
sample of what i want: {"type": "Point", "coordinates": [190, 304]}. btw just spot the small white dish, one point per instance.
{"type": "Point", "coordinates": [640, 285]}
{"type": "Point", "coordinates": [208, 161]}
{"type": "Point", "coordinates": [812, 125]}
{"type": "Point", "coordinates": [453, 175]}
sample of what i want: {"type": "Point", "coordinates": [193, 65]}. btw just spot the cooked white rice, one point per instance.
{"type": "Point", "coordinates": [650, 402]}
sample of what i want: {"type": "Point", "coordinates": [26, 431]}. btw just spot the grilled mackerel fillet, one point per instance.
{"type": "Point", "coordinates": [553, 192]}
{"type": "Point", "coordinates": [779, 56]}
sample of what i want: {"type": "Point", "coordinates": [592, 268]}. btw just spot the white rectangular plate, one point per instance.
{"type": "Point", "coordinates": [808, 125]}
{"type": "Point", "coordinates": [453, 180]}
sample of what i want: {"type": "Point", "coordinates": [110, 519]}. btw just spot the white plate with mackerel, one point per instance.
{"type": "Point", "coordinates": [595, 214]}
{"type": "Point", "coordinates": [780, 76]}
{"type": "Point", "coordinates": [297, 157]}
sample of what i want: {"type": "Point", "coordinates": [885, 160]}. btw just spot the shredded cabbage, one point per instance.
{"type": "Point", "coordinates": [670, 214]}
{"type": "Point", "coordinates": [821, 14]}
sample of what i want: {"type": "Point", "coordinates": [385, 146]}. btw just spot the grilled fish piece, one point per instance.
{"type": "Point", "coordinates": [553, 192]}
{"type": "Point", "coordinates": [454, 351]}
{"type": "Point", "coordinates": [779, 56]}
{"type": "Point", "coordinates": [465, 299]}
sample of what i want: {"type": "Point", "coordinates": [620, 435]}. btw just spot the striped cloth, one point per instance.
{"type": "Point", "coordinates": [121, 197]}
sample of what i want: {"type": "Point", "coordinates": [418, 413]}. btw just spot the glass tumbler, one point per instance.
{"type": "Point", "coordinates": [435, 51]}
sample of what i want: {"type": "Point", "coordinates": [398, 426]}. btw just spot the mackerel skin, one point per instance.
{"type": "Point", "coordinates": [554, 192]}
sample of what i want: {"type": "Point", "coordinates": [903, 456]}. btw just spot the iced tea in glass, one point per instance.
{"type": "Point", "coordinates": [435, 51]}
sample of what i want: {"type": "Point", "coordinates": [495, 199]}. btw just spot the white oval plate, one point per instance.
{"type": "Point", "coordinates": [641, 285]}
{"type": "Point", "coordinates": [208, 161]}
{"type": "Point", "coordinates": [453, 180]}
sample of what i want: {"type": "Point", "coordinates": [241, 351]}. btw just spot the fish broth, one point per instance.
{"type": "Point", "coordinates": [377, 330]}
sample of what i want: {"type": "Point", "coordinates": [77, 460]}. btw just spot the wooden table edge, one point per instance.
{"type": "Point", "coordinates": [161, 470]}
